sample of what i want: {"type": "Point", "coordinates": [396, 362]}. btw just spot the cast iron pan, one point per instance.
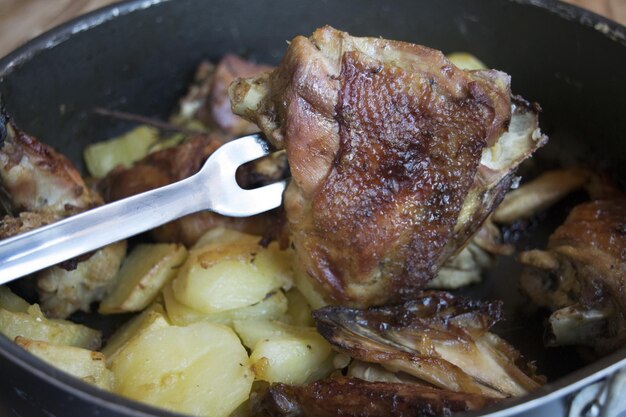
{"type": "Point", "coordinates": [140, 55]}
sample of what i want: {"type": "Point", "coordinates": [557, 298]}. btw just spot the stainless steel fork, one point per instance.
{"type": "Point", "coordinates": [213, 188]}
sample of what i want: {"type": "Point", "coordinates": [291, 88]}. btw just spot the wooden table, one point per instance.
{"type": "Point", "coordinates": [21, 20]}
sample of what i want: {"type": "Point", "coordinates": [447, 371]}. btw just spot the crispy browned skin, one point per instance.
{"type": "Point", "coordinates": [438, 338]}
{"type": "Point", "coordinates": [384, 141]}
{"type": "Point", "coordinates": [582, 275]}
{"type": "Point", "coordinates": [343, 396]}
{"type": "Point", "coordinates": [40, 182]}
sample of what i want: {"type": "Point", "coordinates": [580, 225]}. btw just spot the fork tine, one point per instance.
{"type": "Point", "coordinates": [241, 150]}
{"type": "Point", "coordinates": [225, 195]}
{"type": "Point", "coordinates": [243, 203]}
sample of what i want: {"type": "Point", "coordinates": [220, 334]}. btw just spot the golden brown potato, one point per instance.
{"type": "Point", "coordinates": [84, 364]}
{"type": "Point", "coordinates": [18, 318]}
{"type": "Point", "coordinates": [142, 275]}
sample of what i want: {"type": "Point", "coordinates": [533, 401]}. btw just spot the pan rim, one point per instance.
{"type": "Point", "coordinates": [115, 403]}
{"type": "Point", "coordinates": [57, 35]}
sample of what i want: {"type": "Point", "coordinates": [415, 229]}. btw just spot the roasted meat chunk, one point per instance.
{"type": "Point", "coordinates": [207, 99]}
{"type": "Point", "coordinates": [396, 155]}
{"type": "Point", "coordinates": [40, 180]}
{"type": "Point", "coordinates": [343, 396]}
{"type": "Point", "coordinates": [43, 186]}
{"type": "Point", "coordinates": [581, 276]}
{"type": "Point", "coordinates": [437, 338]}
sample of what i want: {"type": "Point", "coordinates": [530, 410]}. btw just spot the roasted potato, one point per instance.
{"type": "Point", "coordinates": [466, 61]}
{"type": "Point", "coordinates": [201, 369]}
{"type": "Point", "coordinates": [298, 310]}
{"type": "Point", "coordinates": [232, 273]}
{"type": "Point", "coordinates": [273, 306]}
{"type": "Point", "coordinates": [151, 318]}
{"type": "Point", "coordinates": [142, 275]}
{"type": "Point", "coordinates": [285, 353]}
{"type": "Point", "coordinates": [18, 318]}
{"type": "Point", "coordinates": [102, 157]}
{"type": "Point", "coordinates": [82, 363]}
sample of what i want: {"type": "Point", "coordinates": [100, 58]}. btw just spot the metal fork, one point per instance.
{"type": "Point", "coordinates": [213, 188]}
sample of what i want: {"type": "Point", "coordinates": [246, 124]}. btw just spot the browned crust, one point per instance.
{"type": "Point", "coordinates": [409, 338]}
{"type": "Point", "coordinates": [343, 396]}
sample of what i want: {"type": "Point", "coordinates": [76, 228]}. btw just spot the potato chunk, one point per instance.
{"type": "Point", "coordinates": [81, 363]}
{"type": "Point", "coordinates": [142, 275]}
{"type": "Point", "coordinates": [102, 157]}
{"type": "Point", "coordinates": [273, 306]}
{"type": "Point", "coordinates": [152, 318]}
{"type": "Point", "coordinates": [18, 318]}
{"type": "Point", "coordinates": [298, 311]}
{"type": "Point", "coordinates": [10, 301]}
{"type": "Point", "coordinates": [200, 369]}
{"type": "Point", "coordinates": [284, 353]}
{"type": "Point", "coordinates": [221, 236]}
{"type": "Point", "coordinates": [230, 274]}
{"type": "Point", "coordinates": [466, 61]}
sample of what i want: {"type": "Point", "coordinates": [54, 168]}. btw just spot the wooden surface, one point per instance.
{"type": "Point", "coordinates": [21, 20]}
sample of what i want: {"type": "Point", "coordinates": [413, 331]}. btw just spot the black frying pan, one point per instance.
{"type": "Point", "coordinates": [139, 56]}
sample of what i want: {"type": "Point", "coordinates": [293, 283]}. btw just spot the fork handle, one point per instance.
{"type": "Point", "coordinates": [46, 246]}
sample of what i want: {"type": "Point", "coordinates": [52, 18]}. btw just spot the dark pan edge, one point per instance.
{"type": "Point", "coordinates": [61, 33]}
{"type": "Point", "coordinates": [609, 28]}
{"type": "Point", "coordinates": [110, 401]}
{"type": "Point", "coordinates": [71, 385]}
{"type": "Point", "coordinates": [559, 388]}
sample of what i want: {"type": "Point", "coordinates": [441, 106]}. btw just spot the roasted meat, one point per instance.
{"type": "Point", "coordinates": [437, 338]}
{"type": "Point", "coordinates": [343, 396]}
{"type": "Point", "coordinates": [43, 187]}
{"type": "Point", "coordinates": [581, 276]}
{"type": "Point", "coordinates": [520, 204]}
{"type": "Point", "coordinates": [397, 157]}
{"type": "Point", "coordinates": [40, 180]}
{"type": "Point", "coordinates": [207, 100]}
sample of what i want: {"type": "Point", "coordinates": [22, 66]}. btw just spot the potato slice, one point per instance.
{"type": "Point", "coordinates": [284, 353]}
{"type": "Point", "coordinates": [142, 275]}
{"type": "Point", "coordinates": [273, 306]}
{"type": "Point", "coordinates": [32, 324]}
{"type": "Point", "coordinates": [10, 301]}
{"type": "Point", "coordinates": [200, 369]}
{"type": "Point", "coordinates": [221, 236]}
{"type": "Point", "coordinates": [81, 363]}
{"type": "Point", "coordinates": [466, 61]}
{"type": "Point", "coordinates": [102, 157]}
{"type": "Point", "coordinates": [298, 311]}
{"type": "Point", "coordinates": [150, 319]}
{"type": "Point", "coordinates": [305, 286]}
{"type": "Point", "coordinates": [223, 276]}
